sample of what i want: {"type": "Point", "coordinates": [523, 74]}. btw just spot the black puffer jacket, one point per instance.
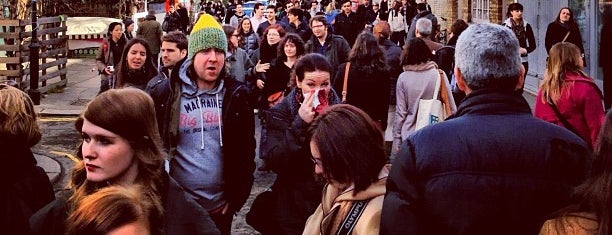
{"type": "Point", "coordinates": [491, 169]}
{"type": "Point", "coordinates": [288, 155]}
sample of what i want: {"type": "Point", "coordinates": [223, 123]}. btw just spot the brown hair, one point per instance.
{"type": "Point", "coordinates": [129, 113]}
{"type": "Point", "coordinates": [367, 55]}
{"type": "Point", "coordinates": [17, 116]}
{"type": "Point", "coordinates": [563, 57]}
{"type": "Point", "coordinates": [415, 52]}
{"type": "Point", "coordinates": [351, 145]}
{"type": "Point", "coordinates": [123, 69]}
{"type": "Point", "coordinates": [115, 206]}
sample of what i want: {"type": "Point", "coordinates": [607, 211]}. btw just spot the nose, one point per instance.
{"type": "Point", "coordinates": [318, 169]}
{"type": "Point", "coordinates": [212, 56]}
{"type": "Point", "coordinates": [88, 151]}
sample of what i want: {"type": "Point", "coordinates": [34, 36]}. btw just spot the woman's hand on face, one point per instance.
{"type": "Point", "coordinates": [260, 83]}
{"type": "Point", "coordinates": [262, 68]}
{"type": "Point", "coordinates": [306, 110]}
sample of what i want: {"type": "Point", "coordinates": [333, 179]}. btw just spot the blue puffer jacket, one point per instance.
{"type": "Point", "coordinates": [491, 169]}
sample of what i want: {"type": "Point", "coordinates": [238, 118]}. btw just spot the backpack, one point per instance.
{"type": "Point", "coordinates": [445, 58]}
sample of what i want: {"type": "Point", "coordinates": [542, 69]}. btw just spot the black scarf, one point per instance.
{"type": "Point", "coordinates": [518, 29]}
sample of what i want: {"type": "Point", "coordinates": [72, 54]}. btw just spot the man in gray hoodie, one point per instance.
{"type": "Point", "coordinates": [208, 127]}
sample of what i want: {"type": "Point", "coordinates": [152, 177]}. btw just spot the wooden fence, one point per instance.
{"type": "Point", "coordinates": [52, 55]}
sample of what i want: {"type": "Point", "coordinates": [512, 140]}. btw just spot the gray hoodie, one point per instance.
{"type": "Point", "coordinates": [198, 165]}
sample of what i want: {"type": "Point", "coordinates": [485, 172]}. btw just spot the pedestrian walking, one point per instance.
{"type": "Point", "coordinates": [348, 24]}
{"type": "Point", "coordinates": [492, 168]}
{"type": "Point", "coordinates": [348, 151]}
{"type": "Point", "coordinates": [568, 97]}
{"type": "Point", "coordinates": [334, 47]}
{"type": "Point", "coordinates": [121, 147]}
{"type": "Point", "coordinates": [108, 56]}
{"type": "Point", "coordinates": [563, 29]}
{"type": "Point", "coordinates": [209, 125]}
{"type": "Point", "coordinates": [137, 67]}
{"type": "Point", "coordinates": [296, 192]}
{"type": "Point", "coordinates": [26, 187]}
{"type": "Point", "coordinates": [151, 31]}
{"type": "Point", "coordinates": [367, 79]}
{"type": "Point", "coordinates": [128, 24]}
{"type": "Point", "coordinates": [249, 41]}
{"type": "Point", "coordinates": [172, 20]}
{"type": "Point", "coordinates": [522, 30]}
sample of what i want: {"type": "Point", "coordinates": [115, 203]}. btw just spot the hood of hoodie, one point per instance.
{"type": "Point", "coordinates": [190, 87]}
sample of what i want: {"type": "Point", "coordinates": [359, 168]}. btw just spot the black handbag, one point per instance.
{"type": "Point", "coordinates": [261, 213]}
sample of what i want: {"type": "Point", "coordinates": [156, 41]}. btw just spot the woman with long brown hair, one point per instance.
{"type": "Point", "coordinates": [368, 78]}
{"type": "Point", "coordinates": [567, 96]}
{"type": "Point", "coordinates": [137, 65]}
{"type": "Point", "coordinates": [121, 146]}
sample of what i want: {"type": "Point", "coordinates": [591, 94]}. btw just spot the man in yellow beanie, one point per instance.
{"type": "Point", "coordinates": [208, 127]}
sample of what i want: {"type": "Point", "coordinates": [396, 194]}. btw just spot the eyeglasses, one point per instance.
{"type": "Point", "coordinates": [317, 162]}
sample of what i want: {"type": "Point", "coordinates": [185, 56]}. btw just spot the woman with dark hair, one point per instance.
{"type": "Point", "coordinates": [277, 79]}
{"type": "Point", "coordinates": [522, 30]}
{"type": "Point", "coordinates": [109, 54]}
{"type": "Point", "coordinates": [368, 78]}
{"type": "Point", "coordinates": [26, 187]}
{"type": "Point", "coordinates": [456, 29]}
{"type": "Point", "coordinates": [296, 192]}
{"type": "Point", "coordinates": [121, 146]}
{"type": "Point", "coordinates": [591, 211]}
{"type": "Point", "coordinates": [348, 151]}
{"type": "Point", "coordinates": [249, 41]}
{"type": "Point", "coordinates": [418, 81]}
{"type": "Point", "coordinates": [568, 97]}
{"type": "Point", "coordinates": [136, 67]}
{"type": "Point", "coordinates": [563, 29]}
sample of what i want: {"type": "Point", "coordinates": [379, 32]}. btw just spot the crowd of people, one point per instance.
{"type": "Point", "coordinates": [169, 147]}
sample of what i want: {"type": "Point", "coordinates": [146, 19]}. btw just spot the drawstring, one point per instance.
{"type": "Point", "coordinates": [219, 120]}
{"type": "Point", "coordinates": [201, 123]}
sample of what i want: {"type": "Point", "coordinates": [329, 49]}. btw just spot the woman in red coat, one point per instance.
{"type": "Point", "coordinates": [568, 97]}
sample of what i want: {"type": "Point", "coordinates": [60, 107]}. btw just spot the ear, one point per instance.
{"type": "Point", "coordinates": [521, 79]}
{"type": "Point", "coordinates": [461, 83]}
{"type": "Point", "coordinates": [183, 53]}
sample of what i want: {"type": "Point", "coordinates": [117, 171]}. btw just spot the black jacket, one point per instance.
{"type": "Point", "coordinates": [25, 187]}
{"type": "Point", "coordinates": [303, 30]}
{"type": "Point", "coordinates": [555, 32]}
{"type": "Point", "coordinates": [173, 20]}
{"type": "Point", "coordinates": [238, 131]}
{"type": "Point", "coordinates": [182, 215]}
{"type": "Point", "coordinates": [368, 91]}
{"type": "Point", "coordinates": [491, 169]}
{"type": "Point", "coordinates": [348, 26]}
{"type": "Point", "coordinates": [288, 154]}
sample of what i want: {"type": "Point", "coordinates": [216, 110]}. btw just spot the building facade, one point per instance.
{"type": "Point", "coordinates": [539, 13]}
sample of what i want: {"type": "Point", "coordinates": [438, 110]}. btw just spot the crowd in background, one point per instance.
{"type": "Point", "coordinates": [169, 141]}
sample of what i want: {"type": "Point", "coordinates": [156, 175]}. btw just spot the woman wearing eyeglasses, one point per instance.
{"type": "Point", "coordinates": [348, 151]}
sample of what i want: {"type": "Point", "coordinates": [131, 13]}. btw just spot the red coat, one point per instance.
{"type": "Point", "coordinates": [581, 105]}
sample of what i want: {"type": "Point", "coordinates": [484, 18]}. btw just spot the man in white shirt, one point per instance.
{"type": "Point", "coordinates": [258, 17]}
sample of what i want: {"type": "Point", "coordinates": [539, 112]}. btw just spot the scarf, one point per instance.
{"type": "Point", "coordinates": [518, 29]}
{"type": "Point", "coordinates": [421, 67]}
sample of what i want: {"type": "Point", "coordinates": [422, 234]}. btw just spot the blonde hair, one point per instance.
{"type": "Point", "coordinates": [115, 206]}
{"type": "Point", "coordinates": [563, 57]}
{"type": "Point", "coordinates": [129, 113]}
{"type": "Point", "coordinates": [17, 116]}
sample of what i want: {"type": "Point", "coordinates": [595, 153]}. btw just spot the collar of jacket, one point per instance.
{"type": "Point", "coordinates": [492, 102]}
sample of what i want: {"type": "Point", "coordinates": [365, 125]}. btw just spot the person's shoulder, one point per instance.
{"type": "Point", "coordinates": [575, 223]}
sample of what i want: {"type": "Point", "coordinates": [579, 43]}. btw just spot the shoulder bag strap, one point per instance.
{"type": "Point", "coordinates": [566, 35]}
{"type": "Point", "coordinates": [345, 84]}
{"type": "Point", "coordinates": [561, 117]}
{"type": "Point", "coordinates": [348, 224]}
{"type": "Point", "coordinates": [444, 94]}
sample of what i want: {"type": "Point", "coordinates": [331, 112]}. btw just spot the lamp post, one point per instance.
{"type": "Point", "coordinates": [33, 92]}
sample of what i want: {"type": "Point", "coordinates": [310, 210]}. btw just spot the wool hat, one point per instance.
{"type": "Point", "coordinates": [205, 34]}
{"type": "Point", "coordinates": [127, 22]}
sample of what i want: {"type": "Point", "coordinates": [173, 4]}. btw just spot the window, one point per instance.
{"type": "Point", "coordinates": [480, 11]}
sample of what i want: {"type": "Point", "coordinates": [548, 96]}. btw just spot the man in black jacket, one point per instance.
{"type": "Point", "coordinates": [208, 126]}
{"type": "Point", "coordinates": [491, 168]}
